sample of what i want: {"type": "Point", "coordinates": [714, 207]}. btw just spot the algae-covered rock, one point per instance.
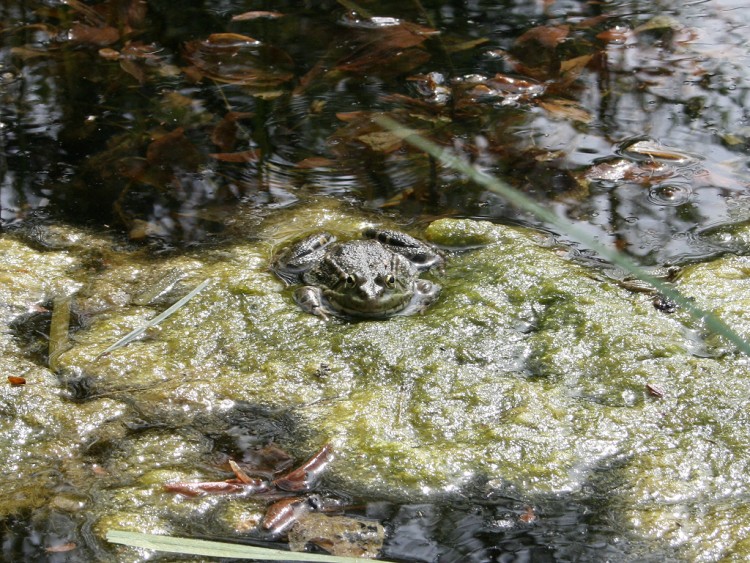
{"type": "Point", "coordinates": [528, 372]}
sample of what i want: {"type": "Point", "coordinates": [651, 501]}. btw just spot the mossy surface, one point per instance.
{"type": "Point", "coordinates": [528, 371]}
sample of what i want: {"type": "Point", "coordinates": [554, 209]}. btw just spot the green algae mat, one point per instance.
{"type": "Point", "coordinates": [532, 372]}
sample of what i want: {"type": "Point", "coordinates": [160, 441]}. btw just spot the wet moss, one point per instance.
{"type": "Point", "coordinates": [528, 371]}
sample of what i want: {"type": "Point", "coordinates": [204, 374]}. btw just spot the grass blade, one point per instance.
{"type": "Point", "coordinates": [132, 335]}
{"type": "Point", "coordinates": [58, 330]}
{"type": "Point", "coordinates": [711, 321]}
{"type": "Point", "coordinates": [218, 549]}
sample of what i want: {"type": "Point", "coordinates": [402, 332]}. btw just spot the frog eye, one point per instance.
{"type": "Point", "coordinates": [350, 280]}
{"type": "Point", "coordinates": [390, 280]}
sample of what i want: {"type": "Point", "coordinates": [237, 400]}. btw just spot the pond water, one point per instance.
{"type": "Point", "coordinates": [156, 122]}
{"type": "Point", "coordinates": [143, 118]}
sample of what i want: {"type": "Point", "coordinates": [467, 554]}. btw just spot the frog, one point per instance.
{"type": "Point", "coordinates": [373, 278]}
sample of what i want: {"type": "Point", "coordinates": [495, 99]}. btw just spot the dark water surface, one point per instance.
{"type": "Point", "coordinates": [629, 118]}
{"type": "Point", "coordinates": [133, 116]}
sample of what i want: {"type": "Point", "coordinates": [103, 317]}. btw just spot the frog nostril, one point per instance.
{"type": "Point", "coordinates": [370, 290]}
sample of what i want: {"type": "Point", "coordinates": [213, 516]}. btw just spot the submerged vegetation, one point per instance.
{"type": "Point", "coordinates": [159, 120]}
{"type": "Point", "coordinates": [154, 157]}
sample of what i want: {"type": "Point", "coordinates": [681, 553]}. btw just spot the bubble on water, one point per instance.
{"type": "Point", "coordinates": [670, 194]}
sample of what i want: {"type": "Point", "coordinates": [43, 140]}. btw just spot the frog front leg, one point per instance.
{"type": "Point", "coordinates": [425, 294]}
{"type": "Point", "coordinates": [310, 300]}
{"type": "Point", "coordinates": [291, 263]}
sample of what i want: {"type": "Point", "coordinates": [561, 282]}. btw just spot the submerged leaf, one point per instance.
{"type": "Point", "coordinates": [172, 151]}
{"type": "Point", "coordinates": [86, 34]}
{"type": "Point", "coordinates": [192, 489]}
{"type": "Point", "coordinates": [381, 141]}
{"type": "Point", "coordinates": [393, 49]}
{"type": "Point", "coordinates": [661, 21]}
{"type": "Point", "coordinates": [224, 134]}
{"type": "Point", "coordinates": [548, 36]}
{"type": "Point", "coordinates": [466, 45]}
{"type": "Point", "coordinates": [256, 15]}
{"type": "Point", "coordinates": [361, 129]}
{"type": "Point", "coordinates": [566, 109]}
{"type": "Point", "coordinates": [134, 69]}
{"type": "Point", "coordinates": [251, 155]}
{"type": "Point", "coordinates": [648, 149]}
{"type": "Point", "coordinates": [386, 61]}
{"type": "Point", "coordinates": [572, 68]}
{"type": "Point", "coordinates": [231, 40]}
{"type": "Point", "coordinates": [239, 59]}
{"type": "Point", "coordinates": [25, 53]}
{"type": "Point", "coordinates": [109, 54]}
{"type": "Point", "coordinates": [315, 162]}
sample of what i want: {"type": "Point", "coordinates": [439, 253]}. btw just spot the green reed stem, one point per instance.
{"type": "Point", "coordinates": [451, 160]}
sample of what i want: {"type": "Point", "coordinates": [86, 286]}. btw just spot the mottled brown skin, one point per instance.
{"type": "Point", "coordinates": [375, 278]}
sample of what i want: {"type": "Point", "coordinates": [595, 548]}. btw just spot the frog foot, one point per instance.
{"type": "Point", "coordinates": [310, 299]}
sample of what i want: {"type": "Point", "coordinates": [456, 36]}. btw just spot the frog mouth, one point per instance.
{"type": "Point", "coordinates": [384, 306]}
{"type": "Point", "coordinates": [352, 305]}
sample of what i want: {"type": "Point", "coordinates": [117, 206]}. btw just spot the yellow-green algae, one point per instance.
{"type": "Point", "coordinates": [528, 370]}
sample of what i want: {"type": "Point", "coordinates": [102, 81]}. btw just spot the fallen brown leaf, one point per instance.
{"type": "Point", "coordinates": [238, 59]}
{"type": "Point", "coordinates": [315, 162]}
{"type": "Point", "coordinates": [566, 109]}
{"type": "Point", "coordinates": [224, 134]}
{"type": "Point", "coordinates": [86, 34]}
{"type": "Point", "coordinates": [617, 34]}
{"type": "Point", "coordinates": [547, 36]}
{"type": "Point", "coordinates": [231, 39]}
{"type": "Point", "coordinates": [134, 69]}
{"type": "Point", "coordinates": [62, 548]}
{"type": "Point", "coordinates": [109, 54]}
{"type": "Point", "coordinates": [393, 48]}
{"type": "Point", "coordinates": [573, 67]}
{"type": "Point", "coordinates": [256, 15]}
{"type": "Point", "coordinates": [245, 156]}
{"type": "Point", "coordinates": [304, 477]}
{"type": "Point", "coordinates": [213, 488]}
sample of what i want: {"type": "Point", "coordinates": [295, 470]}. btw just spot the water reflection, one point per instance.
{"type": "Point", "coordinates": [542, 95]}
